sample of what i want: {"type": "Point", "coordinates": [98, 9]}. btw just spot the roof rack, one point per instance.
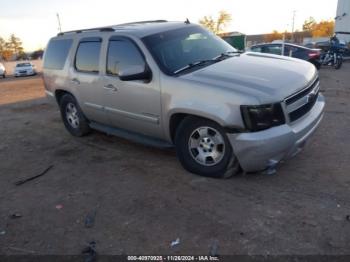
{"type": "Point", "coordinates": [110, 28]}
{"type": "Point", "coordinates": [101, 29]}
{"type": "Point", "coordinates": [143, 22]}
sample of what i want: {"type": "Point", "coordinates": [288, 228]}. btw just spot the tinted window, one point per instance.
{"type": "Point", "coordinates": [56, 53]}
{"type": "Point", "coordinates": [178, 48]}
{"type": "Point", "coordinates": [121, 54]}
{"type": "Point", "coordinates": [274, 49]}
{"type": "Point", "coordinates": [88, 57]}
{"type": "Point", "coordinates": [256, 49]}
{"type": "Point", "coordinates": [290, 50]}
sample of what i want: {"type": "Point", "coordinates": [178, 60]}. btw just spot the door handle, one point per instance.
{"type": "Point", "coordinates": [110, 87]}
{"type": "Point", "coordinates": [75, 81]}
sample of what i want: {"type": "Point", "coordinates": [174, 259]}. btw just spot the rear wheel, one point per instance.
{"type": "Point", "coordinates": [73, 118]}
{"type": "Point", "coordinates": [339, 62]}
{"type": "Point", "coordinates": [317, 64]}
{"type": "Point", "coordinates": [203, 148]}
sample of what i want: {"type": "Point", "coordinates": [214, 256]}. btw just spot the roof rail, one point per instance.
{"type": "Point", "coordinates": [110, 28]}
{"type": "Point", "coordinates": [143, 22]}
{"type": "Point", "coordinates": [101, 29]}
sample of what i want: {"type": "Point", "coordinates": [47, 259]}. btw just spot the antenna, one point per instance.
{"type": "Point", "coordinates": [59, 23]}
{"type": "Point", "coordinates": [293, 23]}
{"type": "Point", "coordinates": [187, 21]}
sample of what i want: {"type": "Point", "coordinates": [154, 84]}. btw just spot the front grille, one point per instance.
{"type": "Point", "coordinates": [302, 93]}
{"type": "Point", "coordinates": [295, 115]}
{"type": "Point", "coordinates": [302, 102]}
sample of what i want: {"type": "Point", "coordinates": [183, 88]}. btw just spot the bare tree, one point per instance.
{"type": "Point", "coordinates": [216, 26]}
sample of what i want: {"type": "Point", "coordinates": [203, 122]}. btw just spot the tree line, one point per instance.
{"type": "Point", "coordinates": [11, 49]}
{"type": "Point", "coordinates": [311, 27]}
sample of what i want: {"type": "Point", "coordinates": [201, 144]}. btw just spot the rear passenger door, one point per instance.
{"type": "Point", "coordinates": [85, 77]}
{"type": "Point", "coordinates": [133, 105]}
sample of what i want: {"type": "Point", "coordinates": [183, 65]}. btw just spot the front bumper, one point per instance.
{"type": "Point", "coordinates": [27, 73]}
{"type": "Point", "coordinates": [260, 150]}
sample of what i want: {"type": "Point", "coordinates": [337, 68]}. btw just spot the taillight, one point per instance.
{"type": "Point", "coordinates": [314, 55]}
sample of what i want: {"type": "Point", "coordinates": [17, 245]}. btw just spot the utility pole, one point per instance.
{"type": "Point", "coordinates": [293, 23]}
{"type": "Point", "coordinates": [59, 23]}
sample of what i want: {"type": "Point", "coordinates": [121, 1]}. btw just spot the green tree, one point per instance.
{"type": "Point", "coordinates": [216, 26]}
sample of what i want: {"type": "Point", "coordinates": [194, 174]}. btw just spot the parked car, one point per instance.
{"type": "Point", "coordinates": [24, 69]}
{"type": "Point", "coordinates": [176, 84]}
{"type": "Point", "coordinates": [2, 70]}
{"type": "Point", "coordinates": [296, 51]}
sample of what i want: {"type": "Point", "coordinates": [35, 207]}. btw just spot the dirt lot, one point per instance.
{"type": "Point", "coordinates": [144, 200]}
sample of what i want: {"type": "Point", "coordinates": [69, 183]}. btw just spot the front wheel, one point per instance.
{"type": "Point", "coordinates": [204, 149]}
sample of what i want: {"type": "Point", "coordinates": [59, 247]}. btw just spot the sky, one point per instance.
{"type": "Point", "coordinates": [35, 21]}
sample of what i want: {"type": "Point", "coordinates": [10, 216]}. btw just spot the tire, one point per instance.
{"type": "Point", "coordinates": [72, 116]}
{"type": "Point", "coordinates": [339, 63]}
{"type": "Point", "coordinates": [194, 150]}
{"type": "Point", "coordinates": [316, 64]}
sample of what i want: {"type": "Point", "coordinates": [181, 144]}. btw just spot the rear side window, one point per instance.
{"type": "Point", "coordinates": [274, 49]}
{"type": "Point", "coordinates": [88, 56]}
{"type": "Point", "coordinates": [122, 54]}
{"type": "Point", "coordinates": [56, 53]}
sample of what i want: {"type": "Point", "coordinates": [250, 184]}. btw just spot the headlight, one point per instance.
{"type": "Point", "coordinates": [257, 118]}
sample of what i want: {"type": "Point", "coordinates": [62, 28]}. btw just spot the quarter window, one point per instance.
{"type": "Point", "coordinates": [56, 53]}
{"type": "Point", "coordinates": [88, 57]}
{"type": "Point", "coordinates": [122, 53]}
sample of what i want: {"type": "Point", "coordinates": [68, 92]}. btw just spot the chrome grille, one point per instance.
{"type": "Point", "coordinates": [299, 104]}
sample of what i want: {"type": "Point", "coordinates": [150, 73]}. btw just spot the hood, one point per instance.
{"type": "Point", "coordinates": [269, 78]}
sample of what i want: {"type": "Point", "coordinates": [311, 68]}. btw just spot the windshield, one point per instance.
{"type": "Point", "coordinates": [23, 64]}
{"type": "Point", "coordinates": [179, 48]}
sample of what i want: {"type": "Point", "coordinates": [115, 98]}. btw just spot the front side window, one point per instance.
{"type": "Point", "coordinates": [122, 54]}
{"type": "Point", "coordinates": [88, 56]}
{"type": "Point", "coordinates": [178, 48]}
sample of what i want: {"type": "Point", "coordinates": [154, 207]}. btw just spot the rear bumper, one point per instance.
{"type": "Point", "coordinates": [260, 150]}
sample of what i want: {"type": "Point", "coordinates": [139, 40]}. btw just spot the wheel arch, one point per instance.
{"type": "Point", "coordinates": [176, 118]}
{"type": "Point", "coordinates": [59, 93]}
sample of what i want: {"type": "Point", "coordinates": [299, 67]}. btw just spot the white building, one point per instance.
{"type": "Point", "coordinates": [342, 20]}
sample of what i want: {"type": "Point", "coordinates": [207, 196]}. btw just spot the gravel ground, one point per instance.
{"type": "Point", "coordinates": [143, 199]}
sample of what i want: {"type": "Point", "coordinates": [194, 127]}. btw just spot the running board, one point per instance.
{"type": "Point", "coordinates": [133, 136]}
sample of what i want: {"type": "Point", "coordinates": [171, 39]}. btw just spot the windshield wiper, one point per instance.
{"type": "Point", "coordinates": [226, 54]}
{"type": "Point", "coordinates": [192, 65]}
{"type": "Point", "coordinates": [216, 59]}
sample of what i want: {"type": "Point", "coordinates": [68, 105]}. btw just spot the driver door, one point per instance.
{"type": "Point", "coordinates": [133, 105]}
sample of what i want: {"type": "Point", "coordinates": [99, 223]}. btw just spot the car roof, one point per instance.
{"type": "Point", "coordinates": [138, 29]}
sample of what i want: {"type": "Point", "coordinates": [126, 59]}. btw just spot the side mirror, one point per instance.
{"type": "Point", "coordinates": [135, 72]}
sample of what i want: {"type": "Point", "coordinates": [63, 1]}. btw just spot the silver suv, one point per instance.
{"type": "Point", "coordinates": [176, 84]}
